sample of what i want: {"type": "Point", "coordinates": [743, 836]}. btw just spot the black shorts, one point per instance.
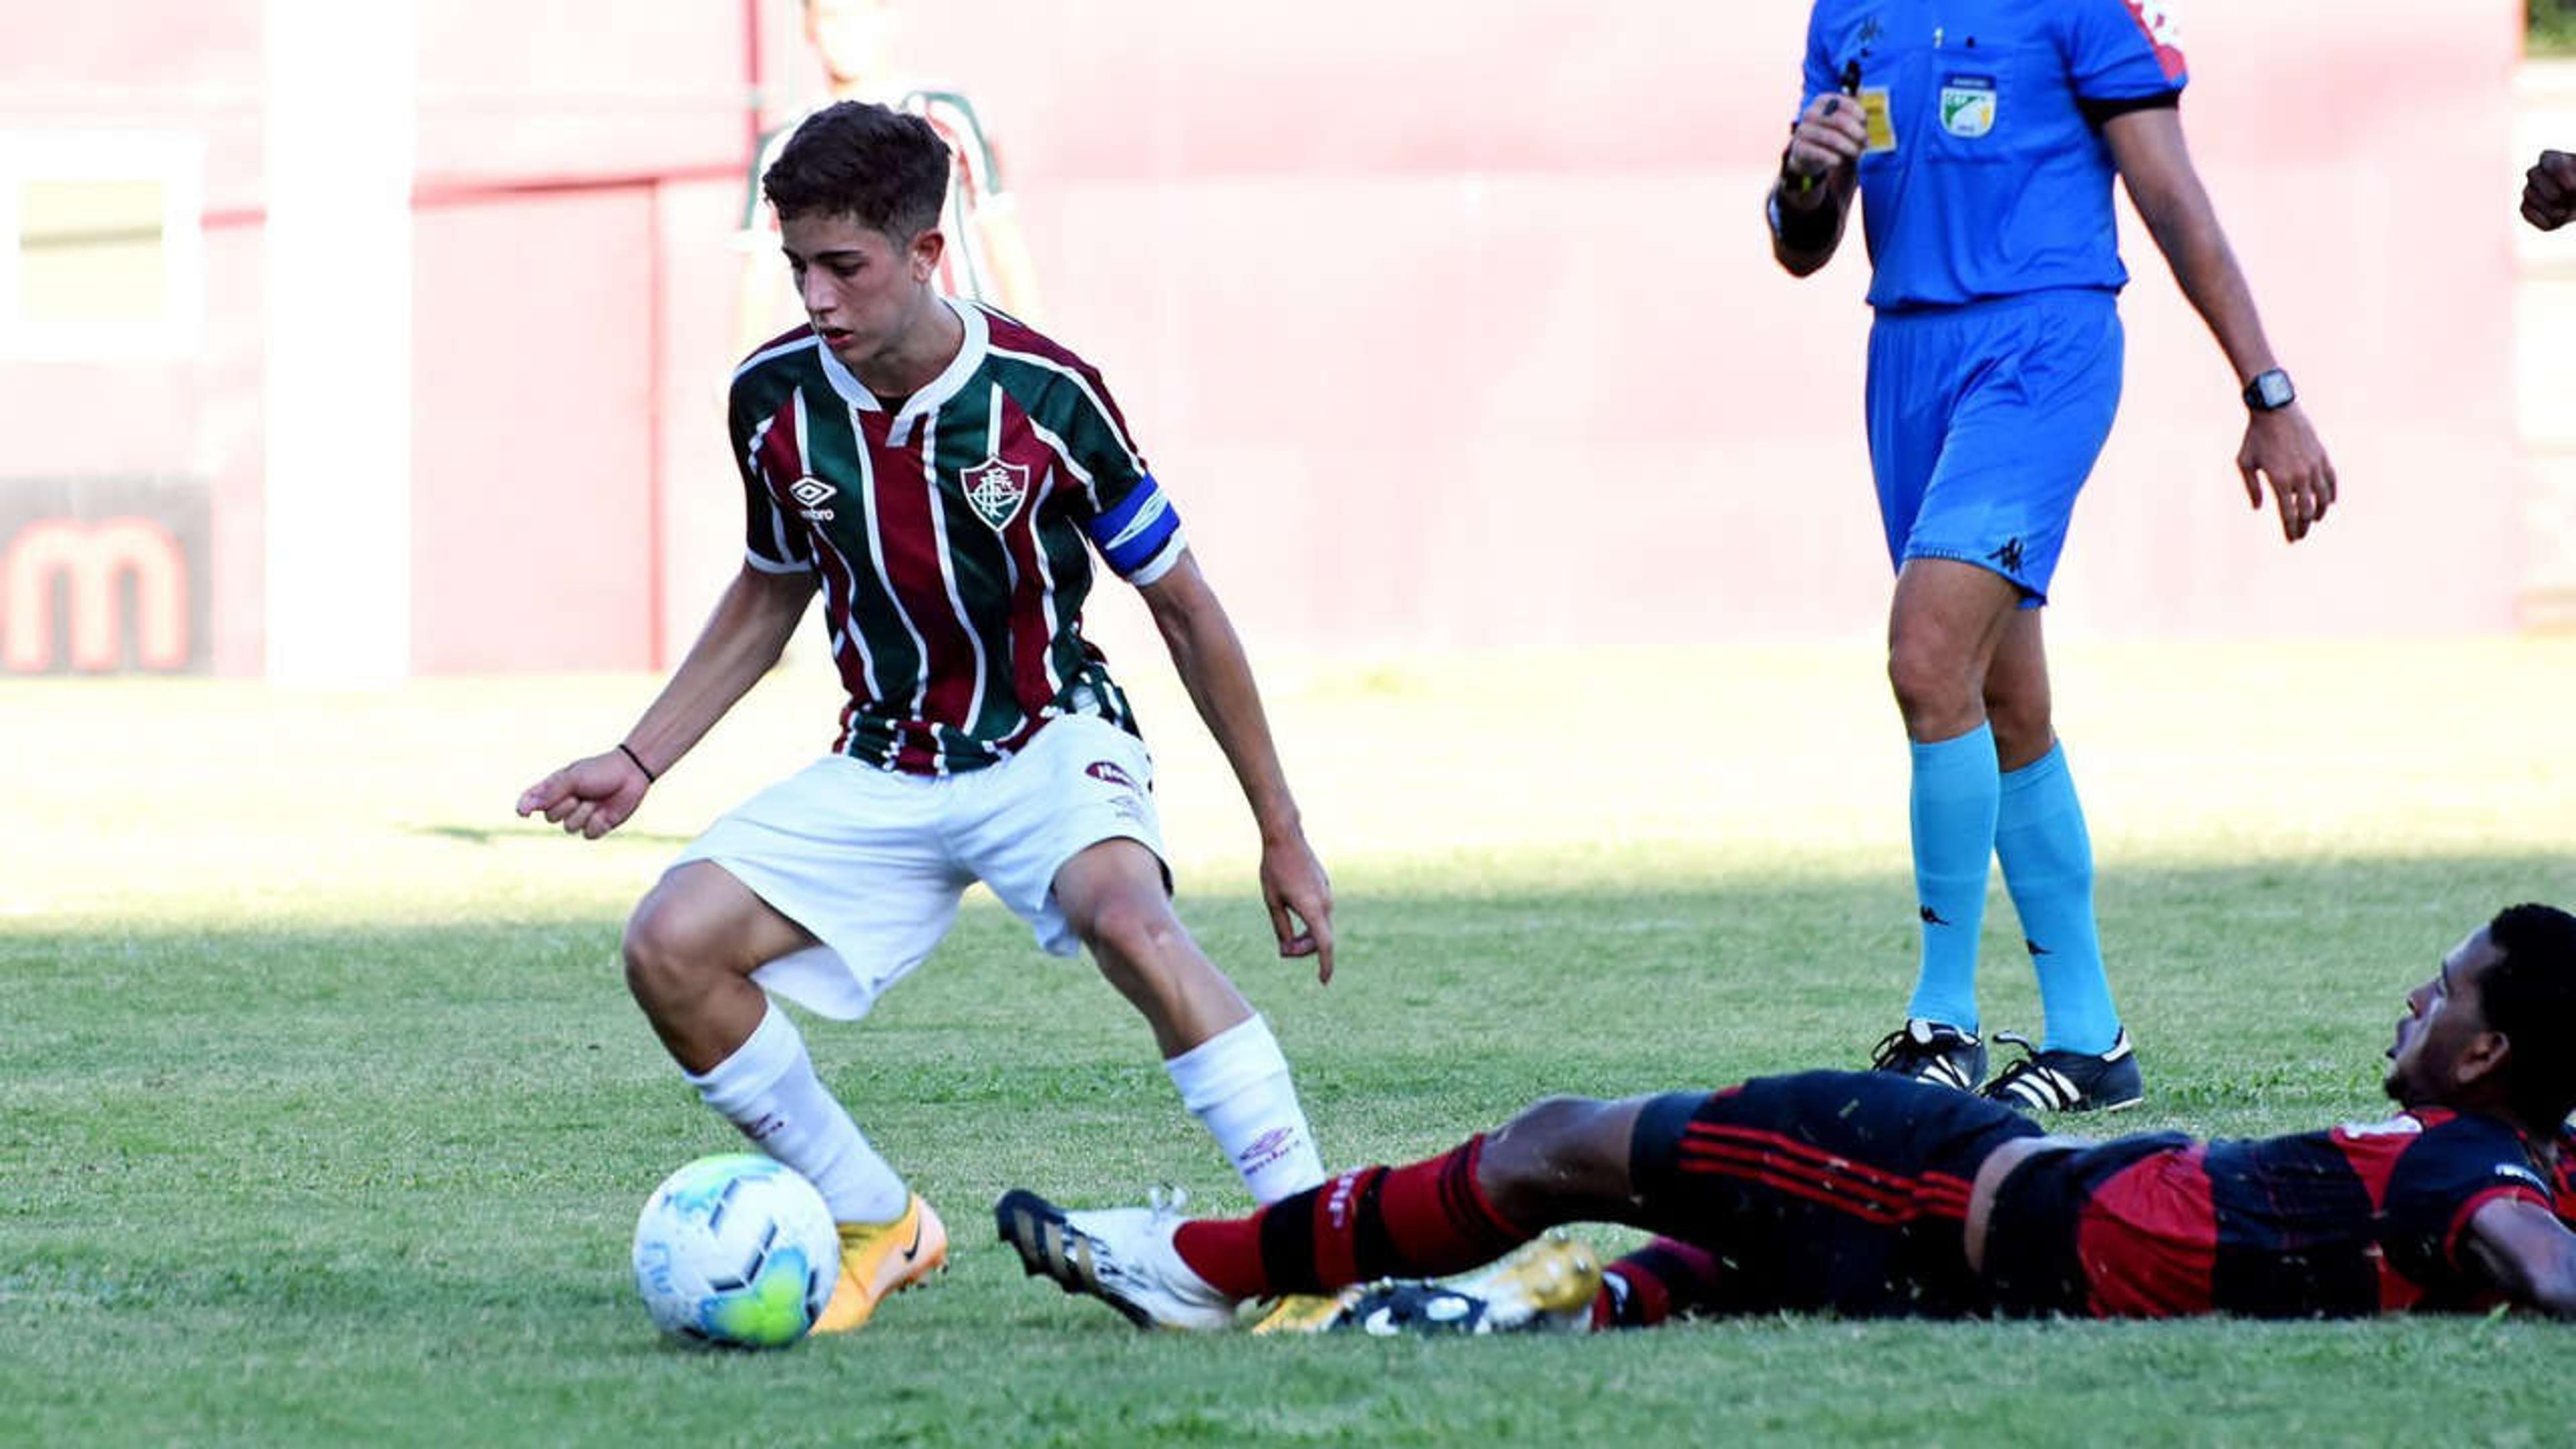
{"type": "Point", "coordinates": [1828, 1191]}
{"type": "Point", "coordinates": [2033, 1267]}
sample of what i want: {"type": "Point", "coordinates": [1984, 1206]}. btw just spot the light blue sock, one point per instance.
{"type": "Point", "coordinates": [2048, 868]}
{"type": "Point", "coordinates": [1956, 787]}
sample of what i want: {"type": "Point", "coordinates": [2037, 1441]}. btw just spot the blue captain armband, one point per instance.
{"type": "Point", "coordinates": [1138, 530]}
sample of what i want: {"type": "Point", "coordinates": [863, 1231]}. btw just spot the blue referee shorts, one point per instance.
{"type": "Point", "coordinates": [1984, 422]}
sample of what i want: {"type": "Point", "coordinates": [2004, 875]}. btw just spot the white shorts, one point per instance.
{"type": "Point", "coordinates": [873, 862]}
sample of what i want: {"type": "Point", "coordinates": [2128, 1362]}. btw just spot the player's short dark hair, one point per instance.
{"type": "Point", "coordinates": [887, 168]}
{"type": "Point", "coordinates": [2530, 996]}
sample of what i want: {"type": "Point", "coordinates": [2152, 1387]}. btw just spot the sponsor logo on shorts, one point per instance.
{"type": "Point", "coordinates": [1108, 770]}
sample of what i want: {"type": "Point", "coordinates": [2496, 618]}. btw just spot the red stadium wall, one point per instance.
{"type": "Point", "coordinates": [1455, 323]}
{"type": "Point", "coordinates": [1451, 324]}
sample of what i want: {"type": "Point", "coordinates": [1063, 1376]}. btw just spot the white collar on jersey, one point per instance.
{"type": "Point", "coordinates": [970, 356]}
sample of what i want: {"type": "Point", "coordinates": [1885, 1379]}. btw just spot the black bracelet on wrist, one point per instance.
{"type": "Point", "coordinates": [1808, 230]}
{"type": "Point", "coordinates": [649, 776]}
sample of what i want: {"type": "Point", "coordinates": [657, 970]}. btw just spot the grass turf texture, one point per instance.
{"type": "Point", "coordinates": [326, 1116]}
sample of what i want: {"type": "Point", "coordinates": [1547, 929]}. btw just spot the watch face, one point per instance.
{"type": "Point", "coordinates": [2271, 391]}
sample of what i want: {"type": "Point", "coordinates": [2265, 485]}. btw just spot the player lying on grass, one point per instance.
{"type": "Point", "coordinates": [1871, 1195]}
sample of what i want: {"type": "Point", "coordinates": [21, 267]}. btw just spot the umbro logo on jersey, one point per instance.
{"type": "Point", "coordinates": [995, 489]}
{"type": "Point", "coordinates": [812, 491]}
{"type": "Point", "coordinates": [1109, 771]}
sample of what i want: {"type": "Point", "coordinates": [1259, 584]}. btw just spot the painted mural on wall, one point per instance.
{"type": "Point", "coordinates": [104, 576]}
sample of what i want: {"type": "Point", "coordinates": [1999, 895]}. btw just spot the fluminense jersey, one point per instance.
{"type": "Point", "coordinates": [1988, 175]}
{"type": "Point", "coordinates": [974, 183]}
{"type": "Point", "coordinates": [952, 536]}
{"type": "Point", "coordinates": [2361, 1219]}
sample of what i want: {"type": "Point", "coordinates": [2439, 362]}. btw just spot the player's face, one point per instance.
{"type": "Point", "coordinates": [2443, 1019]}
{"type": "Point", "coordinates": [867, 294]}
{"type": "Point", "coordinates": [853, 38]}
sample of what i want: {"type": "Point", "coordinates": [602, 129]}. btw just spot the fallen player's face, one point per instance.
{"type": "Point", "coordinates": [2442, 1018]}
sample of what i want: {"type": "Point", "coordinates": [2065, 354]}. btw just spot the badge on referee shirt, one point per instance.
{"type": "Point", "coordinates": [1968, 105]}
{"type": "Point", "coordinates": [1875, 110]}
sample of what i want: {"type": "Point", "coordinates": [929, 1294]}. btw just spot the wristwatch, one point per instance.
{"type": "Point", "coordinates": [2270, 392]}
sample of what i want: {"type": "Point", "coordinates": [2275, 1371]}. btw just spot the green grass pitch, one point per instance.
{"type": "Point", "coordinates": [324, 1117]}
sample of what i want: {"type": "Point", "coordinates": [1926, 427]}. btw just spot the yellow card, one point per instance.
{"type": "Point", "coordinates": [1882, 124]}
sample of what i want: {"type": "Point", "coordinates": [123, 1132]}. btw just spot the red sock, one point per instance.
{"type": "Point", "coordinates": [1418, 1221]}
{"type": "Point", "coordinates": [1663, 1278]}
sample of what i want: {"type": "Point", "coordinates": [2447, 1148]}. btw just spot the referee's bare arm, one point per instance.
{"type": "Point", "coordinates": [1818, 174]}
{"type": "Point", "coordinates": [2281, 446]}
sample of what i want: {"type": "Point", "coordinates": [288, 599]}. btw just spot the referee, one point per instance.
{"type": "Point", "coordinates": [1981, 137]}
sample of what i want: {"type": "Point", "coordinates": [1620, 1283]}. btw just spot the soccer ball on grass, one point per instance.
{"type": "Point", "coordinates": [738, 1250]}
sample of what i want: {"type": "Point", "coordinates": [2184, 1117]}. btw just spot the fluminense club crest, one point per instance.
{"type": "Point", "coordinates": [995, 488]}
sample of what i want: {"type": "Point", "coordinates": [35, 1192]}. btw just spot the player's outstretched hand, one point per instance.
{"type": "Point", "coordinates": [2549, 191]}
{"type": "Point", "coordinates": [1832, 133]}
{"type": "Point", "coordinates": [588, 798]}
{"type": "Point", "coordinates": [2281, 447]}
{"type": "Point", "coordinates": [1301, 903]}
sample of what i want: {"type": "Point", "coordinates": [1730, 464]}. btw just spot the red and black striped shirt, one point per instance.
{"type": "Point", "coordinates": [2356, 1220]}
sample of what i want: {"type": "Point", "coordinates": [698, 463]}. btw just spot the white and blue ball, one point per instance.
{"type": "Point", "coordinates": [738, 1250]}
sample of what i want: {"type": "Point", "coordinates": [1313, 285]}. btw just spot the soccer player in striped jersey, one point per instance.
{"type": "Point", "coordinates": [1872, 1195]}
{"type": "Point", "coordinates": [944, 476]}
{"type": "Point", "coordinates": [985, 256]}
{"type": "Point", "coordinates": [1981, 139]}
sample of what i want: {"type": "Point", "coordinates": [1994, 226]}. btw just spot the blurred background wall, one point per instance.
{"type": "Point", "coordinates": [1450, 323]}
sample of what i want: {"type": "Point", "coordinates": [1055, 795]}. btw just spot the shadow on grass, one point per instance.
{"type": "Point", "coordinates": [2268, 985]}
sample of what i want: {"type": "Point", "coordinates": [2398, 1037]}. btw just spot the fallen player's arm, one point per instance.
{"type": "Point", "coordinates": [2526, 1252]}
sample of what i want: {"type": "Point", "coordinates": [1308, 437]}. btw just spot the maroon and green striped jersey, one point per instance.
{"type": "Point", "coordinates": [953, 535]}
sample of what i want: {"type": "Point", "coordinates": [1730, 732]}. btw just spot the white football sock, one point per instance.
{"type": "Point", "coordinates": [1236, 1083]}
{"type": "Point", "coordinates": [769, 1090]}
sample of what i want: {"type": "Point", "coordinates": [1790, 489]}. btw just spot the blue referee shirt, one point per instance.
{"type": "Point", "coordinates": [1995, 180]}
